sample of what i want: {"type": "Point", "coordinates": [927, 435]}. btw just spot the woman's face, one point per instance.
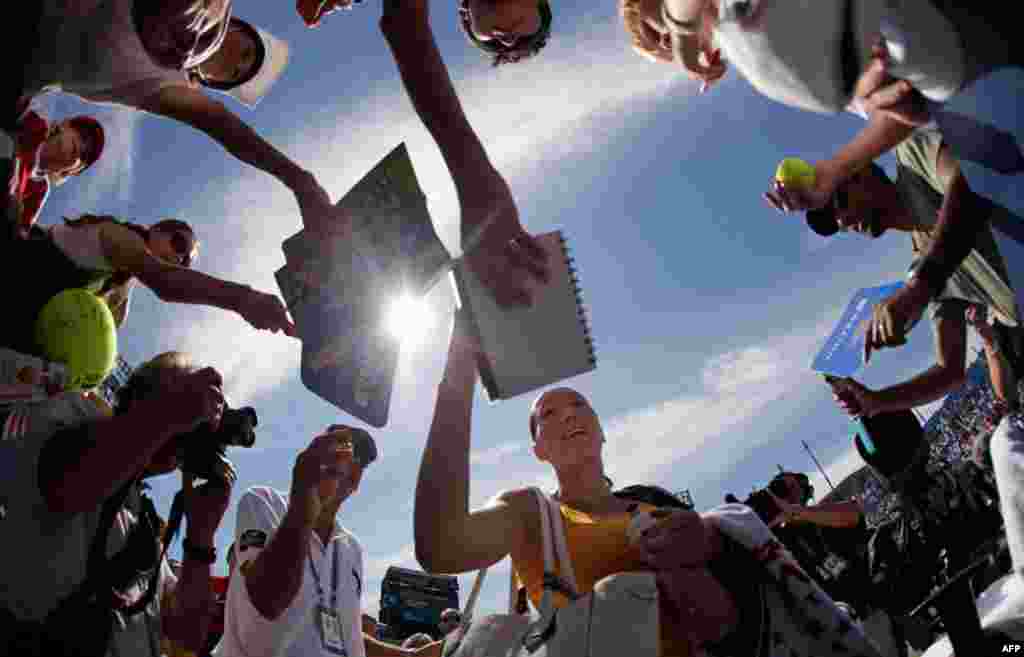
{"type": "Point", "coordinates": [568, 431]}
{"type": "Point", "coordinates": [61, 153]}
{"type": "Point", "coordinates": [235, 58]}
{"type": "Point", "coordinates": [505, 21]}
{"type": "Point", "coordinates": [175, 246]}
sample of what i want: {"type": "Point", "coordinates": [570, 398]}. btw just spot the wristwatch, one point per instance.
{"type": "Point", "coordinates": [207, 555]}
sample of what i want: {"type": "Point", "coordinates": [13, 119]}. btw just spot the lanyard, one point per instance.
{"type": "Point", "coordinates": [334, 577]}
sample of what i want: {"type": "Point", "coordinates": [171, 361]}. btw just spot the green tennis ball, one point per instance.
{"type": "Point", "coordinates": [794, 172]}
{"type": "Point", "coordinates": [76, 328]}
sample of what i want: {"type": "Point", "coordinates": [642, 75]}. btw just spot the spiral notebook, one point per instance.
{"type": "Point", "coordinates": [526, 348]}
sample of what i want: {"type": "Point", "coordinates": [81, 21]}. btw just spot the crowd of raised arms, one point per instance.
{"type": "Point", "coordinates": [83, 561]}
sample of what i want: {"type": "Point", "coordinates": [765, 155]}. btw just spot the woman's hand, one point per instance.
{"type": "Point", "coordinates": [266, 312]}
{"type": "Point", "coordinates": [877, 91]}
{"type": "Point", "coordinates": [680, 539]}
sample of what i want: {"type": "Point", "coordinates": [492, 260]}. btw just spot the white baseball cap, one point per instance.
{"type": "Point", "coordinates": [270, 65]}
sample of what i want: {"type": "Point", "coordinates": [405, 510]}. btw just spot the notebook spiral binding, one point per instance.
{"type": "Point", "coordinates": [581, 309]}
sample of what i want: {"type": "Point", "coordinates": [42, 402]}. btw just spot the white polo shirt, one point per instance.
{"type": "Point", "coordinates": [295, 633]}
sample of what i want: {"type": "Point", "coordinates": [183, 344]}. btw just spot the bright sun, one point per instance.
{"type": "Point", "coordinates": [409, 320]}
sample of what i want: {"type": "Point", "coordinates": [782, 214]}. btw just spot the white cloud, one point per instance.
{"type": "Point", "coordinates": [495, 455]}
{"type": "Point", "coordinates": [737, 386]}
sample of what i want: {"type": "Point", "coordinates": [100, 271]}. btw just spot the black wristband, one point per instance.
{"type": "Point", "coordinates": [200, 554]}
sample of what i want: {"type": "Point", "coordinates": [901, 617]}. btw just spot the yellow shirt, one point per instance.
{"type": "Point", "coordinates": [598, 547]}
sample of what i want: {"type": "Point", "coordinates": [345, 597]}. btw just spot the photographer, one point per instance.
{"type": "Point", "coordinates": [829, 540]}
{"type": "Point", "coordinates": [83, 570]}
{"type": "Point", "coordinates": [300, 573]}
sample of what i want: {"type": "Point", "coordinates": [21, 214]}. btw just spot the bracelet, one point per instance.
{"type": "Point", "coordinates": [206, 555]}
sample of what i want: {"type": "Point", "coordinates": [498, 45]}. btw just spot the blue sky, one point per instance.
{"type": "Point", "coordinates": [706, 305]}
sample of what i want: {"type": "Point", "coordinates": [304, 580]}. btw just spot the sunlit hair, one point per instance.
{"type": "Point", "coordinates": [145, 379]}
{"type": "Point", "coordinates": [524, 48]}
{"type": "Point", "coordinates": [644, 41]}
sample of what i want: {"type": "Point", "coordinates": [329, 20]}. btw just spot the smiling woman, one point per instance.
{"type": "Point", "coordinates": [568, 435]}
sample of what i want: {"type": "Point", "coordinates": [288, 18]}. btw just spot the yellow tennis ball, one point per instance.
{"type": "Point", "coordinates": [76, 328]}
{"type": "Point", "coordinates": [794, 172]}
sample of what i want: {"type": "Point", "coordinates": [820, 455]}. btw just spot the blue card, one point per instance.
{"type": "Point", "coordinates": [842, 355]}
{"type": "Point", "coordinates": [337, 291]}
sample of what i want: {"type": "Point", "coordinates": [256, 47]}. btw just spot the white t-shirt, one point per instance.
{"type": "Point", "coordinates": [295, 633]}
{"type": "Point", "coordinates": [90, 48]}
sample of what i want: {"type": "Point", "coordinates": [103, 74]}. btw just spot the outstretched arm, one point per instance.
{"type": "Point", "coordinates": [193, 107]}
{"type": "Point", "coordinates": [126, 251]}
{"type": "Point", "coordinates": [449, 538]}
{"type": "Point", "coordinates": [501, 253]}
{"type": "Point", "coordinates": [945, 376]}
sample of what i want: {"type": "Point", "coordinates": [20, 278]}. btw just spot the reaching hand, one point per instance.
{"type": "Point", "coordinates": [506, 257]}
{"type": "Point", "coordinates": [794, 198]}
{"type": "Point", "coordinates": [323, 460]}
{"type": "Point", "coordinates": [877, 91]}
{"type": "Point", "coordinates": [266, 312]}
{"type": "Point", "coordinates": [854, 398]}
{"type": "Point", "coordinates": [894, 317]}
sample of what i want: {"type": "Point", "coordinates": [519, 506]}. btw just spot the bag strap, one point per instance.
{"type": "Point", "coordinates": [551, 532]}
{"type": "Point", "coordinates": [568, 574]}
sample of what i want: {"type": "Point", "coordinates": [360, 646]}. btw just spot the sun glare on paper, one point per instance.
{"type": "Point", "coordinates": [409, 320]}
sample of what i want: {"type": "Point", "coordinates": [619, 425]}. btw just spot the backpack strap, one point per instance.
{"type": "Point", "coordinates": [101, 572]}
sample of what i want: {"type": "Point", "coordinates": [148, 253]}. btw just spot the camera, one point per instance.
{"type": "Point", "coordinates": [202, 451]}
